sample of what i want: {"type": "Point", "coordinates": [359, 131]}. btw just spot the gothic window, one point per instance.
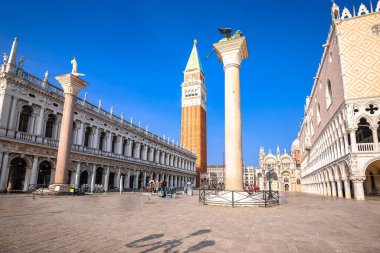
{"type": "Point", "coordinates": [49, 126]}
{"type": "Point", "coordinates": [101, 140]}
{"type": "Point", "coordinates": [364, 133]}
{"type": "Point", "coordinates": [25, 115]}
{"type": "Point", "coordinates": [87, 135]}
{"type": "Point", "coordinates": [328, 94]}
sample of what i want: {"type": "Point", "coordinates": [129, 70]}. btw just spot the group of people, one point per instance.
{"type": "Point", "coordinates": [161, 189]}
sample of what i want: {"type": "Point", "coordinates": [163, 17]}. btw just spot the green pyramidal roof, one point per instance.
{"type": "Point", "coordinates": [193, 62]}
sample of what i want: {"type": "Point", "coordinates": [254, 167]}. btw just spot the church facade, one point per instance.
{"type": "Point", "coordinates": [104, 147]}
{"type": "Point", "coordinates": [286, 176]}
{"type": "Point", "coordinates": [339, 136]}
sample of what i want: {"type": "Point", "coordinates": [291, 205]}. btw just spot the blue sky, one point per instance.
{"type": "Point", "coordinates": [134, 52]}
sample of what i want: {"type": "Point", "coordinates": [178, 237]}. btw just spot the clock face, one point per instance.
{"type": "Point", "coordinates": [376, 30]}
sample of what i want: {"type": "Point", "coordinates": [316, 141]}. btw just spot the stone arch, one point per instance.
{"type": "Point", "coordinates": [99, 175]}
{"type": "Point", "coordinates": [45, 168]}
{"type": "Point", "coordinates": [372, 175]}
{"type": "Point", "coordinates": [17, 173]}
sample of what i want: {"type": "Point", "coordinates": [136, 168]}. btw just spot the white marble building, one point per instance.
{"type": "Point", "coordinates": [104, 146]}
{"type": "Point", "coordinates": [339, 136]}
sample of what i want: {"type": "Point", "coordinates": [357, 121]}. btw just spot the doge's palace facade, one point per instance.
{"type": "Point", "coordinates": [339, 137]}
{"type": "Point", "coordinates": [104, 147]}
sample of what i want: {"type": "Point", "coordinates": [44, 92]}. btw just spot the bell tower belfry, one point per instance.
{"type": "Point", "coordinates": [193, 118]}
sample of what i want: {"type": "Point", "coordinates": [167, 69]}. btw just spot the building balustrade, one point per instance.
{"type": "Point", "coordinates": [117, 120]}
{"type": "Point", "coordinates": [92, 151]}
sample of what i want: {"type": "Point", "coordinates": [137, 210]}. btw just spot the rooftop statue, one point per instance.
{"type": "Point", "coordinates": [5, 58]}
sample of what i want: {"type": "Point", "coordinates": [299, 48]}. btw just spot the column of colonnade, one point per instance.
{"type": "Point", "coordinates": [173, 180]}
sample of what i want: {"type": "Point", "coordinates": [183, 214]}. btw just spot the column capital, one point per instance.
{"type": "Point", "coordinates": [70, 83]}
{"type": "Point", "coordinates": [231, 52]}
{"type": "Point", "coordinates": [357, 179]}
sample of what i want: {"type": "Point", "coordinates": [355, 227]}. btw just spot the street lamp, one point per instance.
{"type": "Point", "coordinates": [270, 175]}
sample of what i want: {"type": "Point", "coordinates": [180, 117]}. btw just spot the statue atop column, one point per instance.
{"type": "Point", "coordinates": [74, 70]}
{"type": "Point", "coordinates": [227, 33]}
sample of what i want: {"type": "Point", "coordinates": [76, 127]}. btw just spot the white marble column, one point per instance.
{"type": "Point", "coordinates": [339, 186]}
{"type": "Point", "coordinates": [28, 173]}
{"type": "Point", "coordinates": [347, 189]}
{"type": "Point", "coordinates": [40, 123]}
{"type": "Point", "coordinates": [77, 175]}
{"type": "Point", "coordinates": [144, 179]}
{"type": "Point", "coordinates": [80, 137]}
{"type": "Point", "coordinates": [4, 172]}
{"type": "Point", "coordinates": [106, 179]}
{"type": "Point", "coordinates": [333, 188]}
{"type": "Point", "coordinates": [128, 179]}
{"type": "Point", "coordinates": [231, 53]}
{"type": "Point", "coordinates": [34, 173]}
{"type": "Point", "coordinates": [12, 117]}
{"type": "Point", "coordinates": [353, 140]}
{"type": "Point", "coordinates": [93, 177]}
{"type": "Point", "coordinates": [117, 181]}
{"type": "Point", "coordinates": [358, 188]}
{"type": "Point", "coordinates": [375, 137]}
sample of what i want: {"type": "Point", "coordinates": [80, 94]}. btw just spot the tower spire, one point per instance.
{"type": "Point", "coordinates": [13, 54]}
{"type": "Point", "coordinates": [194, 63]}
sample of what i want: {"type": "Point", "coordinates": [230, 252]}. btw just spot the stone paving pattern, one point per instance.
{"type": "Point", "coordinates": [138, 223]}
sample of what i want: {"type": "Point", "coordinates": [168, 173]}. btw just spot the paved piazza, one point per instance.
{"type": "Point", "coordinates": [134, 223]}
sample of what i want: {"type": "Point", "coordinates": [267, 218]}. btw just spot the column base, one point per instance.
{"type": "Point", "coordinates": [59, 188]}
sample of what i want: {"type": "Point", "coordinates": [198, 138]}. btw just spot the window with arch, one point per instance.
{"type": "Point", "coordinates": [87, 136]}
{"type": "Point", "coordinates": [124, 147]}
{"type": "Point", "coordinates": [328, 94]}
{"type": "Point", "coordinates": [102, 140]}
{"type": "Point", "coordinates": [364, 133]}
{"type": "Point", "coordinates": [114, 142]}
{"type": "Point", "coordinates": [49, 126]}
{"type": "Point", "coordinates": [318, 113]}
{"type": "Point", "coordinates": [25, 115]}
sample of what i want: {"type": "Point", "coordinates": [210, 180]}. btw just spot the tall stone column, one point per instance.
{"type": "Point", "coordinates": [358, 188]}
{"type": "Point", "coordinates": [231, 52]}
{"type": "Point", "coordinates": [347, 189]}
{"type": "Point", "coordinates": [339, 186]}
{"type": "Point", "coordinates": [4, 172]}
{"type": "Point", "coordinates": [33, 177]}
{"type": "Point", "coordinates": [77, 175]}
{"type": "Point", "coordinates": [71, 84]}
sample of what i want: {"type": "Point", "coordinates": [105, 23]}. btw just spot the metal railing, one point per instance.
{"type": "Point", "coordinates": [232, 198]}
{"type": "Point", "coordinates": [32, 188]}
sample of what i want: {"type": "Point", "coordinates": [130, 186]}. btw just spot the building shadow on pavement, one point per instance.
{"type": "Point", "coordinates": [156, 242]}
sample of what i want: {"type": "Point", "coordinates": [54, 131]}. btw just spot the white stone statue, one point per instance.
{"type": "Point", "coordinates": [46, 78]}
{"type": "Point", "coordinates": [111, 110]}
{"type": "Point", "coordinates": [139, 124]}
{"type": "Point", "coordinates": [5, 58]}
{"type": "Point", "coordinates": [100, 104]}
{"type": "Point", "coordinates": [21, 62]}
{"type": "Point", "coordinates": [85, 97]}
{"type": "Point", "coordinates": [131, 120]}
{"type": "Point", "coordinates": [74, 70]}
{"type": "Point", "coordinates": [146, 128]}
{"type": "Point", "coordinates": [122, 116]}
